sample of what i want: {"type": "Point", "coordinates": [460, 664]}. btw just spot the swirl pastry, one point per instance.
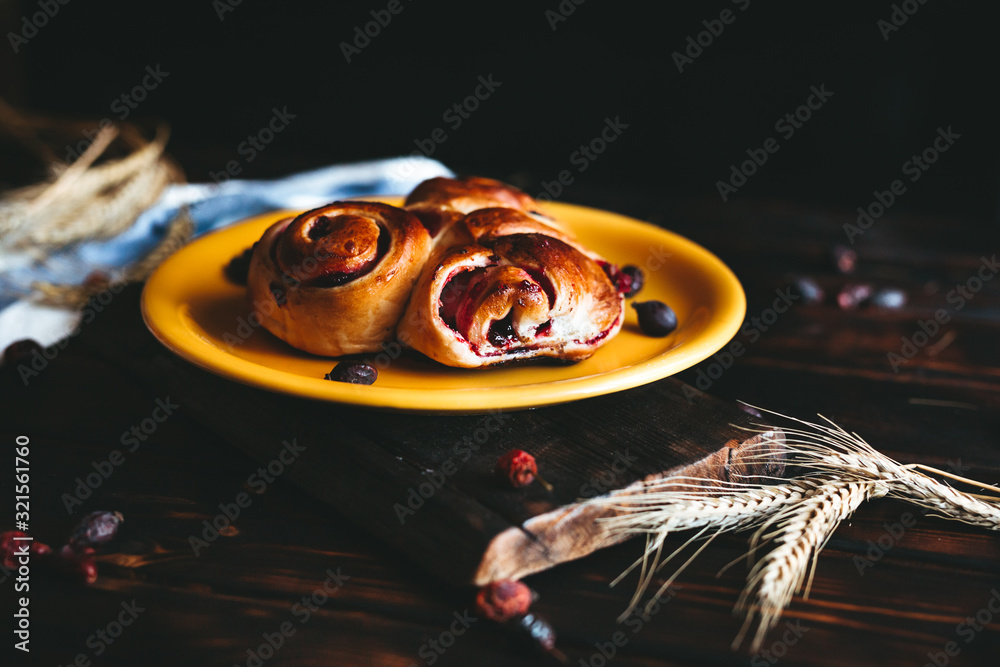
{"type": "Point", "coordinates": [441, 202]}
{"type": "Point", "coordinates": [335, 280]}
{"type": "Point", "coordinates": [522, 289]}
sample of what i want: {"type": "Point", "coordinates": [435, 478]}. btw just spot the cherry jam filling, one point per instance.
{"type": "Point", "coordinates": [320, 228]}
{"type": "Point", "coordinates": [451, 296]}
{"type": "Point", "coordinates": [538, 275]}
{"type": "Point", "coordinates": [465, 287]}
{"type": "Point", "coordinates": [604, 334]}
{"type": "Point", "coordinates": [621, 280]}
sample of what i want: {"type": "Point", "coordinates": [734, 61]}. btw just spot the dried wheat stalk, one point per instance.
{"type": "Point", "coordinates": [179, 231]}
{"type": "Point", "coordinates": [797, 516]}
{"type": "Point", "coordinates": [800, 533]}
{"type": "Point", "coordinates": [86, 201]}
{"type": "Point", "coordinates": [658, 513]}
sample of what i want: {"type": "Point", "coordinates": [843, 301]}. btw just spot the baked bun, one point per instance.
{"type": "Point", "coordinates": [441, 202]}
{"type": "Point", "coordinates": [522, 289]}
{"type": "Point", "coordinates": [335, 280]}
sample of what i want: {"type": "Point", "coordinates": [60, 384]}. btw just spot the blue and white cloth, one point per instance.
{"type": "Point", "coordinates": [210, 206]}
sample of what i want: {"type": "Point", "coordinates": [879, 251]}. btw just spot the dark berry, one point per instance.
{"type": "Point", "coordinates": [655, 318]}
{"type": "Point", "coordinates": [96, 528]}
{"type": "Point", "coordinates": [518, 467]}
{"type": "Point", "coordinates": [501, 332]}
{"type": "Point", "coordinates": [844, 258]}
{"type": "Point", "coordinates": [889, 298]}
{"type": "Point", "coordinates": [809, 289]}
{"type": "Point", "coordinates": [20, 351]}
{"type": "Point", "coordinates": [854, 296]}
{"type": "Point", "coordinates": [637, 277]}
{"type": "Point", "coordinates": [239, 266]}
{"type": "Point", "coordinates": [503, 600]}
{"type": "Point", "coordinates": [353, 372]}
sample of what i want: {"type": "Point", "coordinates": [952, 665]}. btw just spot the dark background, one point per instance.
{"type": "Point", "coordinates": [607, 59]}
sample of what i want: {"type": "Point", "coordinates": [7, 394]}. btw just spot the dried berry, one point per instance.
{"type": "Point", "coordinates": [844, 258]}
{"type": "Point", "coordinates": [77, 564]}
{"type": "Point", "coordinates": [238, 268]}
{"type": "Point", "coordinates": [655, 318]}
{"type": "Point", "coordinates": [854, 296]}
{"type": "Point", "coordinates": [503, 600]}
{"type": "Point", "coordinates": [21, 351]}
{"type": "Point", "coordinates": [518, 467]}
{"type": "Point", "coordinates": [809, 289]}
{"type": "Point", "coordinates": [637, 277]}
{"type": "Point", "coordinates": [40, 549]}
{"type": "Point", "coordinates": [9, 548]}
{"type": "Point", "coordinates": [95, 528]}
{"type": "Point", "coordinates": [889, 298]}
{"type": "Point", "coordinates": [353, 372]}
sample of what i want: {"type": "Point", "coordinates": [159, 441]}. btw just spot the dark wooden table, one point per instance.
{"type": "Point", "coordinates": [881, 596]}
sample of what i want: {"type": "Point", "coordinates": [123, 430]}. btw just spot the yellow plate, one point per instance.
{"type": "Point", "coordinates": [192, 309]}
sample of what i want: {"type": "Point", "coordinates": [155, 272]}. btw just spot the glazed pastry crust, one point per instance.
{"type": "Point", "coordinates": [441, 202]}
{"type": "Point", "coordinates": [335, 280]}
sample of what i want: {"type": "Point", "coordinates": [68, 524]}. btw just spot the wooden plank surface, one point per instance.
{"type": "Point", "coordinates": [425, 484]}
{"type": "Point", "coordinates": [908, 604]}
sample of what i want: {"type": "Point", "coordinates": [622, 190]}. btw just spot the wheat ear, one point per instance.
{"type": "Point", "coordinates": [800, 532]}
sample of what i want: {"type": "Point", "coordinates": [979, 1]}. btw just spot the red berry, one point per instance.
{"type": "Point", "coordinates": [844, 258]}
{"type": "Point", "coordinates": [854, 296]}
{"type": "Point", "coordinates": [77, 564]}
{"type": "Point", "coordinates": [40, 549]}
{"type": "Point", "coordinates": [518, 467]}
{"type": "Point", "coordinates": [9, 547]}
{"type": "Point", "coordinates": [503, 600]}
